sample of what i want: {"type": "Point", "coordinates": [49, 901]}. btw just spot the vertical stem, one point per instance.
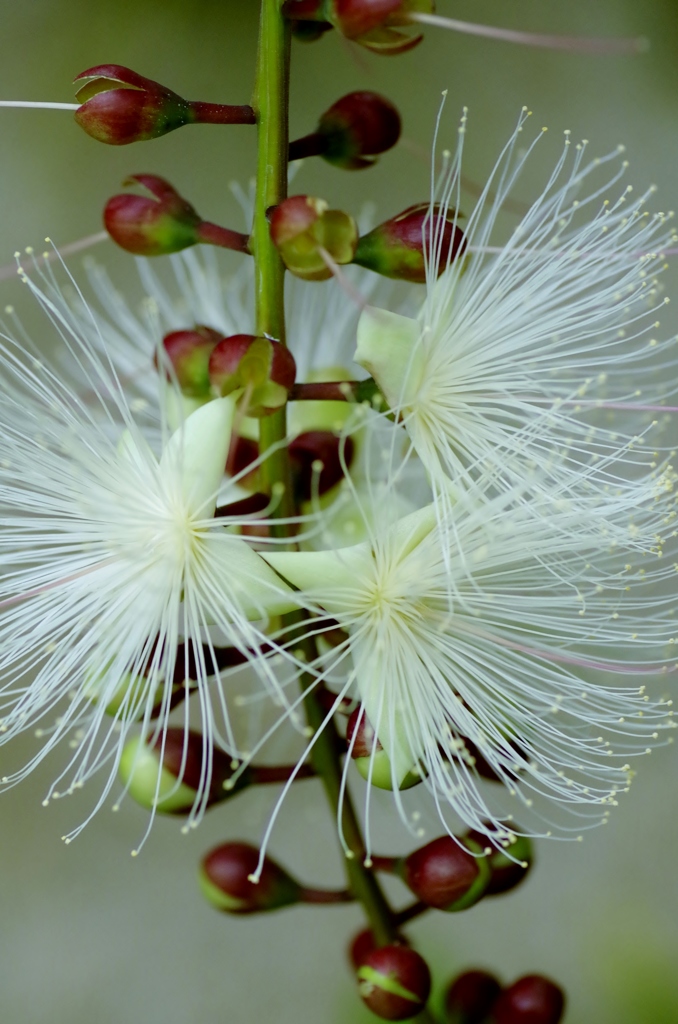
{"type": "Point", "coordinates": [271, 101]}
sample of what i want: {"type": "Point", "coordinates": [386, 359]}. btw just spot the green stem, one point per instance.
{"type": "Point", "coordinates": [271, 101]}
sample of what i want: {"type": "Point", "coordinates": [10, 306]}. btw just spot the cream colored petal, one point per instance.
{"type": "Point", "coordinates": [196, 453]}
{"type": "Point", "coordinates": [389, 347]}
{"type": "Point", "coordinates": [239, 581]}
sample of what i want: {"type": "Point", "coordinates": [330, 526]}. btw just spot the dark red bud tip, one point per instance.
{"type": "Point", "coordinates": [509, 866]}
{"type": "Point", "coordinates": [357, 128]}
{"type": "Point", "coordinates": [184, 755]}
{"type": "Point", "coordinates": [318, 458]}
{"type": "Point", "coordinates": [470, 997]}
{"type": "Point", "coordinates": [303, 228]}
{"type": "Point", "coordinates": [444, 874]}
{"type": "Point", "coordinates": [154, 226]}
{"type": "Point", "coordinates": [360, 735]}
{"type": "Point", "coordinates": [264, 369]}
{"type": "Point", "coordinates": [530, 1000]}
{"type": "Point", "coordinates": [309, 31]}
{"type": "Point", "coordinates": [394, 982]}
{"type": "Point", "coordinates": [226, 879]}
{"type": "Point", "coordinates": [185, 358]}
{"type": "Point", "coordinates": [396, 248]}
{"type": "Point", "coordinates": [361, 946]}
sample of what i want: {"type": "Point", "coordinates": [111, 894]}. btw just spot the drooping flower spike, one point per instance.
{"type": "Point", "coordinates": [536, 356]}
{"type": "Point", "coordinates": [489, 637]}
{"type": "Point", "coordinates": [117, 581]}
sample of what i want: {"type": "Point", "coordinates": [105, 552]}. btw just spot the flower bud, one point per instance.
{"type": "Point", "coordinates": [469, 998]}
{"type": "Point", "coordinates": [368, 22]}
{"type": "Point", "coordinates": [444, 874]}
{"type": "Point", "coordinates": [369, 756]}
{"type": "Point", "coordinates": [168, 775]}
{"type": "Point", "coordinates": [163, 224]}
{"type": "Point", "coordinates": [309, 31]}
{"type": "Point", "coordinates": [187, 356]}
{"type": "Point", "coordinates": [302, 226]}
{"type": "Point", "coordinates": [352, 132]}
{"type": "Point", "coordinates": [530, 1000]}
{"type": "Point", "coordinates": [507, 871]}
{"type": "Point", "coordinates": [396, 248]}
{"type": "Point", "coordinates": [317, 460]}
{"type": "Point", "coordinates": [119, 106]}
{"type": "Point", "coordinates": [226, 881]}
{"type": "Point", "coordinates": [361, 946]}
{"type": "Point", "coordinates": [264, 369]}
{"type": "Point", "coordinates": [394, 982]}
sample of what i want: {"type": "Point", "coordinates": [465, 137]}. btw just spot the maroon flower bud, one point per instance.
{"type": "Point", "coordinates": [352, 132]}
{"type": "Point", "coordinates": [168, 775]}
{"type": "Point", "coordinates": [508, 868]}
{"type": "Point", "coordinates": [369, 756]}
{"type": "Point", "coordinates": [264, 369]}
{"type": "Point", "coordinates": [186, 356]}
{"type": "Point", "coordinates": [530, 1000]}
{"type": "Point", "coordinates": [394, 982]}
{"type": "Point", "coordinates": [317, 459]}
{"type": "Point", "coordinates": [119, 106]}
{"type": "Point", "coordinates": [302, 228]}
{"type": "Point", "coordinates": [368, 22]}
{"type": "Point", "coordinates": [470, 997]}
{"type": "Point", "coordinates": [163, 224]}
{"type": "Point", "coordinates": [396, 247]}
{"type": "Point", "coordinates": [444, 874]}
{"type": "Point", "coordinates": [226, 880]}
{"type": "Point", "coordinates": [361, 946]}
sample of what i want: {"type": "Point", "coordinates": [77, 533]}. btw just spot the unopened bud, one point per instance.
{"type": "Point", "coordinates": [530, 1000]}
{"type": "Point", "coordinates": [469, 998]}
{"type": "Point", "coordinates": [353, 132]}
{"type": "Point", "coordinates": [119, 106]}
{"type": "Point", "coordinates": [162, 223]}
{"type": "Point", "coordinates": [303, 228]}
{"type": "Point", "coordinates": [396, 248]}
{"type": "Point", "coordinates": [394, 982]}
{"type": "Point", "coordinates": [187, 355]}
{"type": "Point", "coordinates": [318, 458]}
{"type": "Point", "coordinates": [168, 775]}
{"type": "Point", "coordinates": [444, 874]}
{"type": "Point", "coordinates": [361, 946]}
{"type": "Point", "coordinates": [226, 880]}
{"type": "Point", "coordinates": [309, 31]}
{"type": "Point", "coordinates": [372, 23]}
{"type": "Point", "coordinates": [264, 369]}
{"type": "Point", "coordinates": [508, 868]}
{"type": "Point", "coordinates": [369, 756]}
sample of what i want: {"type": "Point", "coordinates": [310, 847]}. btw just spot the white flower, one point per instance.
{"type": "Point", "coordinates": [535, 358]}
{"type": "Point", "coordinates": [485, 635]}
{"type": "Point", "coordinates": [115, 573]}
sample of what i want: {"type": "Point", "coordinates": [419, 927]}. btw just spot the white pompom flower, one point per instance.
{"type": "Point", "coordinates": [484, 637]}
{"type": "Point", "coordinates": [535, 357]}
{"type": "Point", "coordinates": [118, 582]}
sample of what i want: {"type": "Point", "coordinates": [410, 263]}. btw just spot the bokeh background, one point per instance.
{"type": "Point", "coordinates": [86, 932]}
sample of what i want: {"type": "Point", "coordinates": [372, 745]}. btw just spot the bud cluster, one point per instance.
{"type": "Point", "coordinates": [477, 997]}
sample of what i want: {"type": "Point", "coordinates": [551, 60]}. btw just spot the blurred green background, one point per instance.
{"type": "Point", "coordinates": [88, 934]}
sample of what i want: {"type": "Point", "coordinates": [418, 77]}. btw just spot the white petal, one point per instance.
{"type": "Point", "coordinates": [197, 452]}
{"type": "Point", "coordinates": [389, 347]}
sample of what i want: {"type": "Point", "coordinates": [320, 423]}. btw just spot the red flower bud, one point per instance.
{"type": "Point", "coordinates": [264, 369]}
{"type": "Point", "coordinates": [396, 247]}
{"type": "Point", "coordinates": [352, 132]}
{"type": "Point", "coordinates": [163, 224]}
{"type": "Point", "coordinates": [370, 758]}
{"type": "Point", "coordinates": [317, 458]}
{"type": "Point", "coordinates": [187, 355]}
{"type": "Point", "coordinates": [530, 1000]}
{"type": "Point", "coordinates": [470, 997]}
{"type": "Point", "coordinates": [168, 775]}
{"type": "Point", "coordinates": [119, 106]}
{"type": "Point", "coordinates": [302, 227]}
{"type": "Point", "coordinates": [507, 871]}
{"type": "Point", "coordinates": [226, 881]}
{"type": "Point", "coordinates": [368, 22]}
{"type": "Point", "coordinates": [361, 946]}
{"type": "Point", "coordinates": [444, 874]}
{"type": "Point", "coordinates": [394, 982]}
